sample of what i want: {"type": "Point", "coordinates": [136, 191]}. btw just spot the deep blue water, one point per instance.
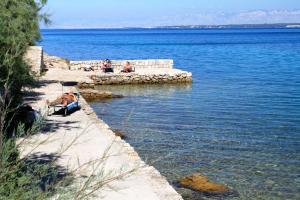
{"type": "Point", "coordinates": [238, 123]}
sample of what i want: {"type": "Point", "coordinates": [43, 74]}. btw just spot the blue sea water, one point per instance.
{"type": "Point", "coordinates": [238, 122]}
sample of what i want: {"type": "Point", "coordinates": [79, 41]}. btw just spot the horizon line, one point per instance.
{"type": "Point", "coordinates": [174, 26]}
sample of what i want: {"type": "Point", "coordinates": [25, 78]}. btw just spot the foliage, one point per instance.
{"type": "Point", "coordinates": [17, 181]}
{"type": "Point", "coordinates": [19, 28]}
{"type": "Point", "coordinates": [32, 176]}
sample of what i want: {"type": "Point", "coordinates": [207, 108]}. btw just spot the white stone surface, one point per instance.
{"type": "Point", "coordinates": [34, 58]}
{"type": "Point", "coordinates": [118, 65]}
{"type": "Point", "coordinates": [55, 62]}
{"type": "Point", "coordinates": [94, 138]}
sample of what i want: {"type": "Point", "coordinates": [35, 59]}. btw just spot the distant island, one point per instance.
{"type": "Point", "coordinates": [280, 25]}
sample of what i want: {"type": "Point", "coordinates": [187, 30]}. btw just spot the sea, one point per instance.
{"type": "Point", "coordinates": [238, 123]}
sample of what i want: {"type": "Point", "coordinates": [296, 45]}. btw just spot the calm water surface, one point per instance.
{"type": "Point", "coordinates": [238, 123]}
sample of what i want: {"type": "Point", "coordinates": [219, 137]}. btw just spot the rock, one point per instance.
{"type": "Point", "coordinates": [55, 62]}
{"type": "Point", "coordinates": [119, 133]}
{"type": "Point", "coordinates": [96, 95]}
{"type": "Point", "coordinates": [34, 59]}
{"type": "Point", "coordinates": [202, 184]}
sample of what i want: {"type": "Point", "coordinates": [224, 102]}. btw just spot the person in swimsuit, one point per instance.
{"type": "Point", "coordinates": [107, 66]}
{"type": "Point", "coordinates": [127, 68]}
{"type": "Point", "coordinates": [64, 99]}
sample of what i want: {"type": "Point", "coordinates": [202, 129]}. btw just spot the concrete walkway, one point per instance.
{"type": "Point", "coordinates": [82, 138]}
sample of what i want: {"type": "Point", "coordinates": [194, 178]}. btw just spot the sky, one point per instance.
{"type": "Point", "coordinates": [151, 13]}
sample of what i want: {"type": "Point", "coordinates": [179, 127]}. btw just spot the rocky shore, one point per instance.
{"type": "Point", "coordinates": [93, 139]}
{"type": "Point", "coordinates": [146, 182]}
{"type": "Point", "coordinates": [82, 139]}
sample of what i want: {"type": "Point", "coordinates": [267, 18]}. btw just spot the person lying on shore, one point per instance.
{"type": "Point", "coordinates": [64, 99]}
{"type": "Point", "coordinates": [127, 68]}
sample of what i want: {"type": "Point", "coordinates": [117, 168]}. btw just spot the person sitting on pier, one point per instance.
{"type": "Point", "coordinates": [64, 99]}
{"type": "Point", "coordinates": [107, 66]}
{"type": "Point", "coordinates": [127, 68]}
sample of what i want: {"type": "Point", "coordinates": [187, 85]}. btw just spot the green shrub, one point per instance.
{"type": "Point", "coordinates": [19, 28]}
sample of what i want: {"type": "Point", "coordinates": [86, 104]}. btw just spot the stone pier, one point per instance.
{"type": "Point", "coordinates": [85, 146]}
{"type": "Point", "coordinates": [145, 72]}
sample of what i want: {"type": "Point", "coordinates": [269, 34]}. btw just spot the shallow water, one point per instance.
{"type": "Point", "coordinates": [238, 123]}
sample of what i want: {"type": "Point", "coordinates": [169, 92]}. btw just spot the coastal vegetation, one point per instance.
{"type": "Point", "coordinates": [19, 22]}
{"type": "Point", "coordinates": [33, 176]}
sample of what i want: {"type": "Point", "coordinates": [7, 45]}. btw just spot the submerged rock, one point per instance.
{"type": "Point", "coordinates": [96, 95]}
{"type": "Point", "coordinates": [201, 183]}
{"type": "Point", "coordinates": [119, 133]}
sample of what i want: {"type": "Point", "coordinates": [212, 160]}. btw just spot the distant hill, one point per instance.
{"type": "Point", "coordinates": [283, 25]}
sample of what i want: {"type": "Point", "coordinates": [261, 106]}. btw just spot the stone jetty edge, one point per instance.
{"type": "Point", "coordinates": [164, 185]}
{"type": "Point", "coordinates": [149, 71]}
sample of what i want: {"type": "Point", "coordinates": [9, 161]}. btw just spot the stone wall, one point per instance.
{"type": "Point", "coordinates": [132, 78]}
{"type": "Point", "coordinates": [118, 65]}
{"type": "Point", "coordinates": [34, 58]}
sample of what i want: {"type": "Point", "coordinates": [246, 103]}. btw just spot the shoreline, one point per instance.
{"type": "Point", "coordinates": [97, 137]}
{"type": "Point", "coordinates": [150, 170]}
